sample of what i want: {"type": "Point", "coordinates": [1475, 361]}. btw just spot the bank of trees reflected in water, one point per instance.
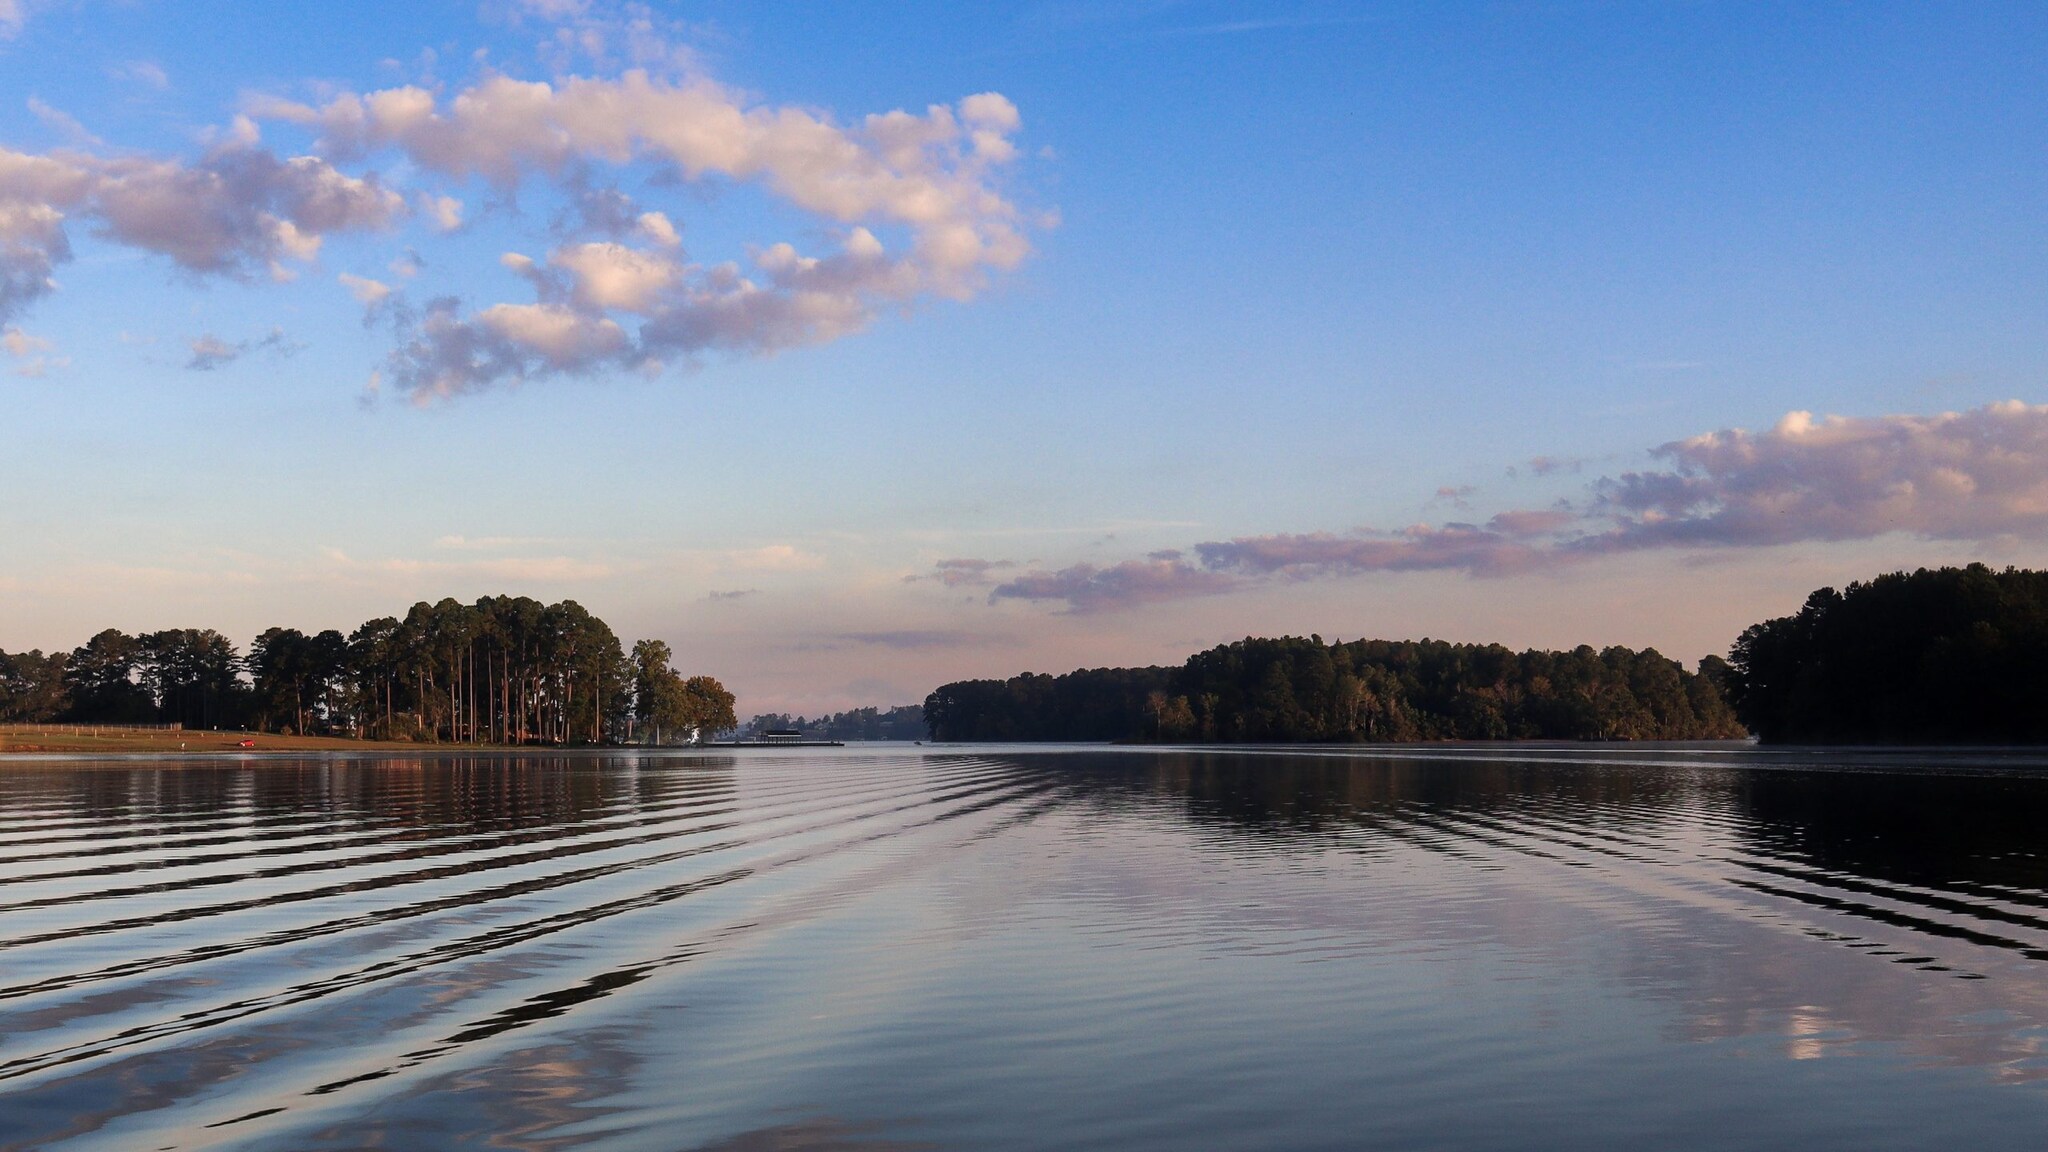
{"type": "Point", "coordinates": [1296, 689]}
{"type": "Point", "coordinates": [1953, 854]}
{"type": "Point", "coordinates": [504, 670]}
{"type": "Point", "coordinates": [528, 945]}
{"type": "Point", "coordinates": [417, 795]}
{"type": "Point", "coordinates": [1850, 900]}
{"type": "Point", "coordinates": [1928, 826]}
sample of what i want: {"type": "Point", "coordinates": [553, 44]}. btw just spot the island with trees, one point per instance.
{"type": "Point", "coordinates": [903, 722]}
{"type": "Point", "coordinates": [1934, 656]}
{"type": "Point", "coordinates": [505, 670]}
{"type": "Point", "coordinates": [1301, 689]}
{"type": "Point", "coordinates": [1948, 655]}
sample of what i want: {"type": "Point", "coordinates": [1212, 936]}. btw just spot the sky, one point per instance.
{"type": "Point", "coordinates": [853, 348]}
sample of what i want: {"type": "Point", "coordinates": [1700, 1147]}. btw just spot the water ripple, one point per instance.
{"type": "Point", "coordinates": [1011, 947]}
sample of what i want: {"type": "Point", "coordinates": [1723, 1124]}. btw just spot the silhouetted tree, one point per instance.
{"type": "Point", "coordinates": [101, 681]}
{"type": "Point", "coordinates": [1296, 689]}
{"type": "Point", "coordinates": [1091, 704]}
{"type": "Point", "coordinates": [903, 722]}
{"type": "Point", "coordinates": [506, 669]}
{"type": "Point", "coordinates": [32, 686]}
{"type": "Point", "coordinates": [1948, 655]}
{"type": "Point", "coordinates": [194, 677]}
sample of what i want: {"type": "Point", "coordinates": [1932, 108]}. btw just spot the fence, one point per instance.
{"type": "Point", "coordinates": [86, 729]}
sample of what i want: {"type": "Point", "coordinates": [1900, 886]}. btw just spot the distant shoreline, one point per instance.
{"type": "Point", "coordinates": [26, 741]}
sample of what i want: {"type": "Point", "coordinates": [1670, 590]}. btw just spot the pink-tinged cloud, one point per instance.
{"type": "Point", "coordinates": [1976, 475]}
{"type": "Point", "coordinates": [921, 639]}
{"type": "Point", "coordinates": [210, 352]}
{"type": "Point", "coordinates": [964, 572]}
{"type": "Point", "coordinates": [909, 206]}
{"type": "Point", "coordinates": [1463, 547]}
{"type": "Point", "coordinates": [1532, 521]}
{"type": "Point", "coordinates": [1973, 475]}
{"type": "Point", "coordinates": [236, 211]}
{"type": "Point", "coordinates": [1085, 588]}
{"type": "Point", "coordinates": [1545, 465]}
{"type": "Point", "coordinates": [930, 180]}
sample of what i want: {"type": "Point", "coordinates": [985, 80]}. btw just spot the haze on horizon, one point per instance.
{"type": "Point", "coordinates": [860, 349]}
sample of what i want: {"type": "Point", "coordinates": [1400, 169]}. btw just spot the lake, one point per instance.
{"type": "Point", "coordinates": [889, 947]}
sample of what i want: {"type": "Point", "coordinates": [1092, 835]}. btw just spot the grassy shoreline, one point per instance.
{"type": "Point", "coordinates": [116, 740]}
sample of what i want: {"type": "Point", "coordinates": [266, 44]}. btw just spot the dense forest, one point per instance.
{"type": "Point", "coordinates": [1091, 704]}
{"type": "Point", "coordinates": [1294, 689]}
{"type": "Point", "coordinates": [1950, 655]}
{"type": "Point", "coordinates": [905, 722]}
{"type": "Point", "coordinates": [505, 670]}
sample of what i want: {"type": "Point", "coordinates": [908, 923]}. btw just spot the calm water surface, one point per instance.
{"type": "Point", "coordinates": [893, 948]}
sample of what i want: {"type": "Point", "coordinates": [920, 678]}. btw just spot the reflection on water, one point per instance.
{"type": "Point", "coordinates": [813, 1136]}
{"type": "Point", "coordinates": [1442, 947]}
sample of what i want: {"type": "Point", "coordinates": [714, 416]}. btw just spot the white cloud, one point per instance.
{"type": "Point", "coordinates": [931, 175]}
{"type": "Point", "coordinates": [442, 353]}
{"type": "Point", "coordinates": [147, 73]}
{"type": "Point", "coordinates": [504, 569]}
{"type": "Point", "coordinates": [369, 293]}
{"type": "Point", "coordinates": [772, 558]}
{"type": "Point", "coordinates": [239, 209]}
{"type": "Point", "coordinates": [657, 227]}
{"type": "Point", "coordinates": [561, 336]}
{"type": "Point", "coordinates": [910, 203]}
{"type": "Point", "coordinates": [61, 122]}
{"type": "Point", "coordinates": [20, 344]}
{"type": "Point", "coordinates": [785, 301]}
{"type": "Point", "coordinates": [1954, 476]}
{"type": "Point", "coordinates": [210, 352]}
{"type": "Point", "coordinates": [613, 276]}
{"type": "Point", "coordinates": [554, 10]}
{"type": "Point", "coordinates": [31, 353]}
{"type": "Point", "coordinates": [35, 192]}
{"type": "Point", "coordinates": [444, 211]}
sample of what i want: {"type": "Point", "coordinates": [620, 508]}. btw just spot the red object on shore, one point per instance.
{"type": "Point", "coordinates": [246, 744]}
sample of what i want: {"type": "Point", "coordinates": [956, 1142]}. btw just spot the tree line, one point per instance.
{"type": "Point", "coordinates": [504, 670]}
{"type": "Point", "coordinates": [1948, 655]}
{"type": "Point", "coordinates": [1296, 689]}
{"type": "Point", "coordinates": [904, 722]}
{"type": "Point", "coordinates": [1089, 704]}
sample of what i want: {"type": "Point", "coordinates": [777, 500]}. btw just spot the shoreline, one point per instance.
{"type": "Point", "coordinates": [207, 742]}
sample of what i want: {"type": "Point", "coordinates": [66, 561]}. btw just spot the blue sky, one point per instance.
{"type": "Point", "coordinates": [1360, 319]}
